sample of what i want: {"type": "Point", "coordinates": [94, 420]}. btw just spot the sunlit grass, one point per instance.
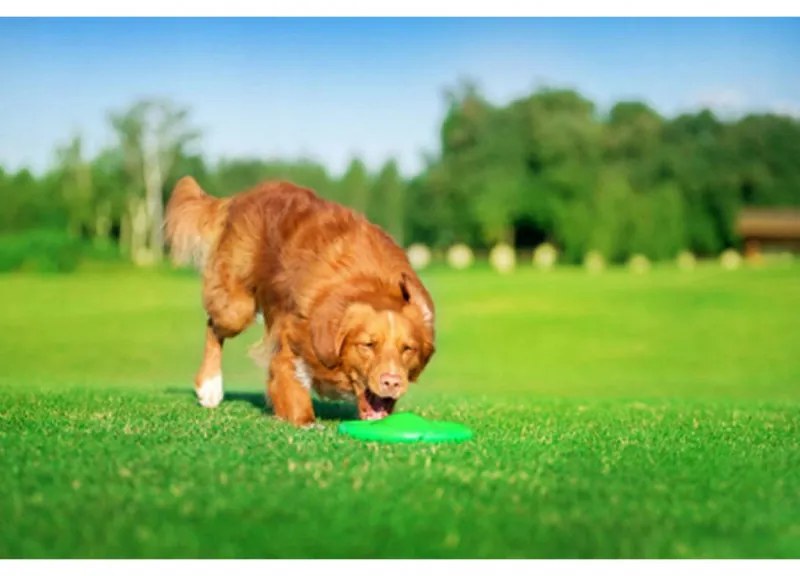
{"type": "Point", "coordinates": [616, 415]}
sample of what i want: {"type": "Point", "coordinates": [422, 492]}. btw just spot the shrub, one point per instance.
{"type": "Point", "coordinates": [43, 250]}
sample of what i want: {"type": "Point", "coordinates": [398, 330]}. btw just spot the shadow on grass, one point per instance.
{"type": "Point", "coordinates": [323, 410]}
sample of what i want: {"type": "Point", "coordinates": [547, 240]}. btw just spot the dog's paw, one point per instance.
{"type": "Point", "coordinates": [209, 394]}
{"type": "Point", "coordinates": [312, 426]}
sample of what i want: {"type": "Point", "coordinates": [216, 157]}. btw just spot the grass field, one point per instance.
{"type": "Point", "coordinates": [615, 416]}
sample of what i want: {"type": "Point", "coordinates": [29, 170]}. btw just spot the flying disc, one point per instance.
{"type": "Point", "coordinates": [405, 427]}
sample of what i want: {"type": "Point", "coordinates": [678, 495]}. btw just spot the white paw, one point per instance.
{"type": "Point", "coordinates": [313, 426]}
{"type": "Point", "coordinates": [210, 392]}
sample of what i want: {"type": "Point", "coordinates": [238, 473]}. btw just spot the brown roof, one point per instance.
{"type": "Point", "coordinates": [778, 223]}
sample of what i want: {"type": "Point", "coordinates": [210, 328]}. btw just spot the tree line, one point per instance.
{"type": "Point", "coordinates": [546, 167]}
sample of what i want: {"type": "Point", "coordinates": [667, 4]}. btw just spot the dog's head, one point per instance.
{"type": "Point", "coordinates": [380, 346]}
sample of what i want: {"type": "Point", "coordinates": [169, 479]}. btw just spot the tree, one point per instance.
{"type": "Point", "coordinates": [462, 183]}
{"type": "Point", "coordinates": [561, 143]}
{"type": "Point", "coordinates": [387, 206]}
{"type": "Point", "coordinates": [76, 188]}
{"type": "Point", "coordinates": [29, 202]}
{"type": "Point", "coordinates": [546, 166]}
{"type": "Point", "coordinates": [765, 149]}
{"type": "Point", "coordinates": [355, 187]}
{"type": "Point", "coordinates": [609, 227]}
{"type": "Point", "coordinates": [152, 135]}
{"type": "Point", "coordinates": [696, 158]}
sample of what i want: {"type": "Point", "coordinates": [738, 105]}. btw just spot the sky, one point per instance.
{"type": "Point", "coordinates": [332, 89]}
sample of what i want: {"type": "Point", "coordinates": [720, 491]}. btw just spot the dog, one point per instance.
{"type": "Point", "coordinates": [346, 316]}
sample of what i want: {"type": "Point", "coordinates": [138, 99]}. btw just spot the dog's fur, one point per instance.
{"type": "Point", "coordinates": [345, 314]}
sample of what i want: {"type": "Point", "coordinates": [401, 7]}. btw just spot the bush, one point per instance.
{"type": "Point", "coordinates": [39, 251]}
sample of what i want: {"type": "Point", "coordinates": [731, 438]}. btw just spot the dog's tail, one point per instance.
{"type": "Point", "coordinates": [194, 222]}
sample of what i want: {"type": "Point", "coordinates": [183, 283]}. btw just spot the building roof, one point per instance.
{"type": "Point", "coordinates": [776, 223]}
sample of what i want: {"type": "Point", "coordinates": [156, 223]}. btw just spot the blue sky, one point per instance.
{"type": "Point", "coordinates": [333, 88]}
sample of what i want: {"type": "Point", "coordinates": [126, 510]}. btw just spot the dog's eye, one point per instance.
{"type": "Point", "coordinates": [367, 345]}
{"type": "Point", "coordinates": [408, 348]}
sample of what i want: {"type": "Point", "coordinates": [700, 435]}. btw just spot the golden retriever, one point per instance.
{"type": "Point", "coordinates": [346, 315]}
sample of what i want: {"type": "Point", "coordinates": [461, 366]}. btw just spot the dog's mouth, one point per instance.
{"type": "Point", "coordinates": [374, 407]}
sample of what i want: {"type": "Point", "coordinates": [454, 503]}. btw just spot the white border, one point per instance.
{"type": "Point", "coordinates": [400, 8]}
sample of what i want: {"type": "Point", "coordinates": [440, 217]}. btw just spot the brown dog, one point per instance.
{"type": "Point", "coordinates": [346, 315]}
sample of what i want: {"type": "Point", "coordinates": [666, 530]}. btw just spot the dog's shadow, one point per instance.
{"type": "Point", "coordinates": [323, 410]}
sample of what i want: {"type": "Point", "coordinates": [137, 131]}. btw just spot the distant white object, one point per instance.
{"type": "Point", "coordinates": [686, 260]}
{"type": "Point", "coordinates": [502, 258]}
{"type": "Point", "coordinates": [460, 256]}
{"type": "Point", "coordinates": [545, 256]}
{"type": "Point", "coordinates": [730, 259]}
{"type": "Point", "coordinates": [594, 262]}
{"type": "Point", "coordinates": [419, 256]}
{"type": "Point", "coordinates": [639, 264]}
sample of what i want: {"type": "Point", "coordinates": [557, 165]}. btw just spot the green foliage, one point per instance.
{"type": "Point", "coordinates": [766, 149]}
{"type": "Point", "coordinates": [387, 202]}
{"type": "Point", "coordinates": [232, 176]}
{"type": "Point", "coordinates": [354, 188]}
{"type": "Point", "coordinates": [39, 250]}
{"type": "Point", "coordinates": [633, 182]}
{"type": "Point", "coordinates": [29, 202]}
{"type": "Point", "coordinates": [610, 218]}
{"type": "Point", "coordinates": [629, 181]}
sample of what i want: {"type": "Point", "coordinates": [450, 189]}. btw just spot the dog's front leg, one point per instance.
{"type": "Point", "coordinates": [291, 399]}
{"type": "Point", "coordinates": [208, 381]}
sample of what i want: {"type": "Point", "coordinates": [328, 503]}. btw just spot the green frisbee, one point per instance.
{"type": "Point", "coordinates": [405, 427]}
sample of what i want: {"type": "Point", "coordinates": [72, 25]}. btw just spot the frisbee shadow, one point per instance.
{"type": "Point", "coordinates": [323, 410]}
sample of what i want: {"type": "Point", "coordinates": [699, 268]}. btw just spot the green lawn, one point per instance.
{"type": "Point", "coordinates": [615, 416]}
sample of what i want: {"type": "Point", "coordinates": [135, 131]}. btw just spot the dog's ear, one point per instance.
{"type": "Point", "coordinates": [327, 333]}
{"type": "Point", "coordinates": [421, 304]}
{"type": "Point", "coordinates": [425, 352]}
{"type": "Point", "coordinates": [415, 294]}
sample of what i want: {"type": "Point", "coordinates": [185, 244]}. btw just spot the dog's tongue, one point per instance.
{"type": "Point", "coordinates": [373, 407]}
{"type": "Point", "coordinates": [374, 415]}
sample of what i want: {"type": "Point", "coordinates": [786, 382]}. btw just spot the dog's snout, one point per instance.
{"type": "Point", "coordinates": [390, 383]}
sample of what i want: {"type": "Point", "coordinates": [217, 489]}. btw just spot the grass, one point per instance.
{"type": "Point", "coordinates": [615, 416]}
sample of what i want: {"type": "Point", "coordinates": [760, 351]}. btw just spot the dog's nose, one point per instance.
{"type": "Point", "coordinates": [390, 383]}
